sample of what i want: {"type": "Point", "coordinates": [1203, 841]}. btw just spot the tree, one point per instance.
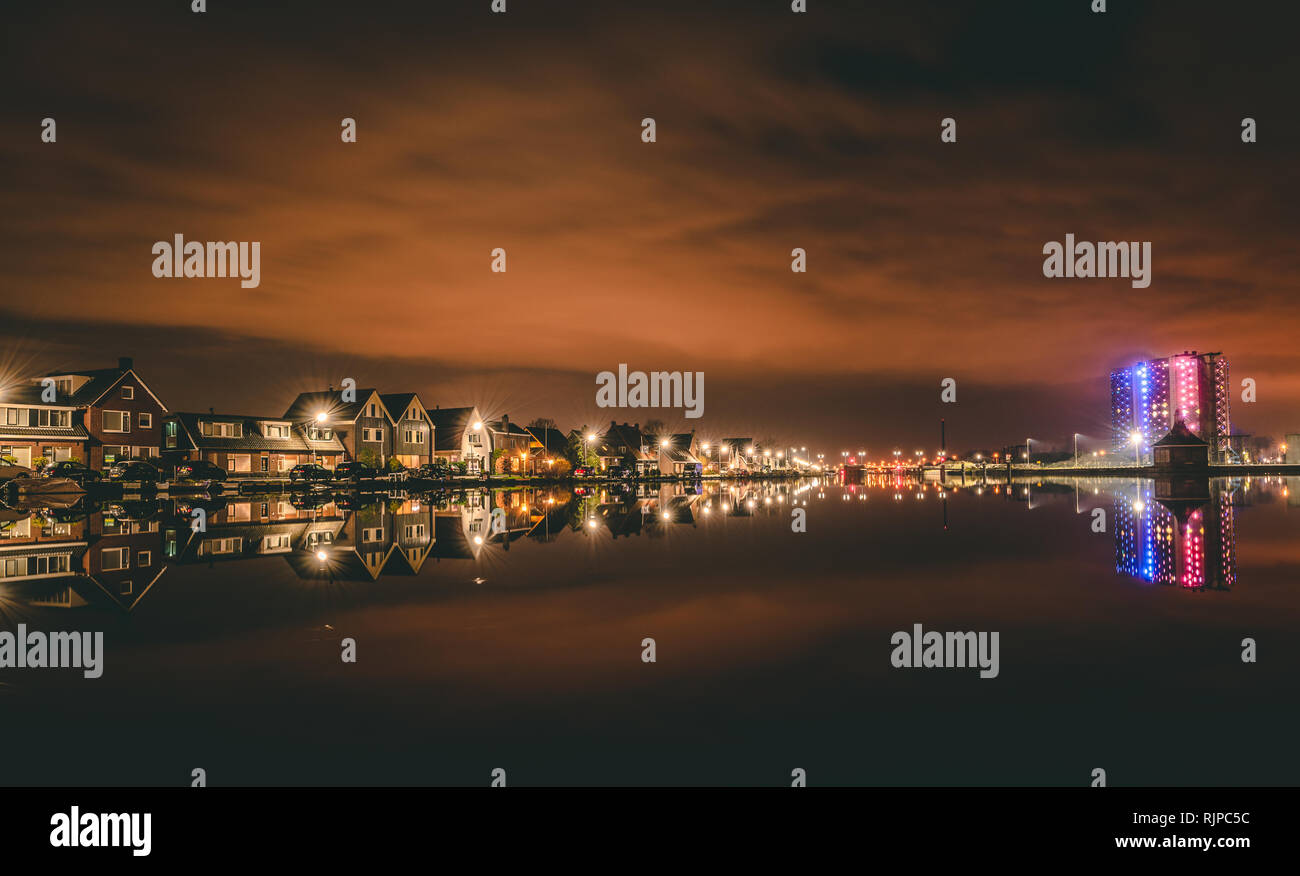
{"type": "Point", "coordinates": [654, 428]}
{"type": "Point", "coordinates": [543, 423]}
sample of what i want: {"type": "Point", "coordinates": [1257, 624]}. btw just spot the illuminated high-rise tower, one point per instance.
{"type": "Point", "coordinates": [1147, 398]}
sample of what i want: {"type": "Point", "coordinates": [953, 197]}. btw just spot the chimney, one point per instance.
{"type": "Point", "coordinates": [505, 422]}
{"type": "Point", "coordinates": [212, 412]}
{"type": "Point", "coordinates": [125, 362]}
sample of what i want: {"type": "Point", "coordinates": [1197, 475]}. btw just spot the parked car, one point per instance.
{"type": "Point", "coordinates": [583, 471]}
{"type": "Point", "coordinates": [432, 471]}
{"type": "Point", "coordinates": [199, 470]}
{"type": "Point", "coordinates": [73, 471]}
{"type": "Point", "coordinates": [621, 472]}
{"type": "Point", "coordinates": [135, 470]}
{"type": "Point", "coordinates": [309, 472]}
{"type": "Point", "coordinates": [355, 471]}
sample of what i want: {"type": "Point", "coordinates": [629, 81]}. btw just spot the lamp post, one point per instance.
{"type": "Point", "coordinates": [1136, 438]}
{"type": "Point", "coordinates": [1029, 457]}
{"type": "Point", "coordinates": [1076, 449]}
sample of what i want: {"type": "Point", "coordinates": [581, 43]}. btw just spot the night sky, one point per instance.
{"type": "Point", "coordinates": [775, 131]}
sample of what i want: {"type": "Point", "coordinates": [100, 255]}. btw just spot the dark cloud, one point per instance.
{"type": "Point", "coordinates": [775, 131]}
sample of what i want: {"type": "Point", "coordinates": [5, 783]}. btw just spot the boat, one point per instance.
{"type": "Point", "coordinates": [45, 486]}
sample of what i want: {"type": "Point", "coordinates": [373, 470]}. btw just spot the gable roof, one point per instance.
{"type": "Point", "coordinates": [1181, 436]}
{"type": "Point", "coordinates": [553, 440]}
{"type": "Point", "coordinates": [309, 404]}
{"type": "Point", "coordinates": [398, 403]}
{"type": "Point", "coordinates": [449, 425]}
{"type": "Point", "coordinates": [100, 383]}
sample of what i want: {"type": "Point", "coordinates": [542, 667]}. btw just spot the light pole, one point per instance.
{"type": "Point", "coordinates": [1076, 449]}
{"type": "Point", "coordinates": [1029, 458]}
{"type": "Point", "coordinates": [1136, 437]}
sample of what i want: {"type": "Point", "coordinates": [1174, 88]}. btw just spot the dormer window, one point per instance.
{"type": "Point", "coordinates": [275, 430]}
{"type": "Point", "coordinates": [128, 392]}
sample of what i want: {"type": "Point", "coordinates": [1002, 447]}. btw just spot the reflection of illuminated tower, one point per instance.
{"type": "Point", "coordinates": [1189, 543]}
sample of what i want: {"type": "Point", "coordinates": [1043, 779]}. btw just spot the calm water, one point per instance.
{"type": "Point", "coordinates": [514, 640]}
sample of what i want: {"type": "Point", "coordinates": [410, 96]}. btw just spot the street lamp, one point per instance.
{"type": "Point", "coordinates": [1136, 438]}
{"type": "Point", "coordinates": [1076, 449]}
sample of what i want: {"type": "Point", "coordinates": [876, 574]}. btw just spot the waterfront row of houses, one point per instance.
{"type": "Point", "coordinates": [101, 416]}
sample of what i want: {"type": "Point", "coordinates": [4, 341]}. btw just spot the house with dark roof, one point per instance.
{"type": "Point", "coordinates": [33, 429]}
{"type": "Point", "coordinates": [677, 456]}
{"type": "Point", "coordinates": [1181, 449]}
{"type": "Point", "coordinates": [460, 435]}
{"type": "Point", "coordinates": [548, 452]}
{"type": "Point", "coordinates": [412, 428]}
{"type": "Point", "coordinates": [362, 424]}
{"type": "Point", "coordinates": [510, 443]}
{"type": "Point", "coordinates": [626, 446]}
{"type": "Point", "coordinates": [120, 415]}
{"type": "Point", "coordinates": [738, 453]}
{"type": "Point", "coordinates": [246, 445]}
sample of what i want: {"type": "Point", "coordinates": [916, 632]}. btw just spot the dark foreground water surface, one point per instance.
{"type": "Point", "coordinates": [514, 640]}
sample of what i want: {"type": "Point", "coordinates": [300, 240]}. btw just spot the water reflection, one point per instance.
{"type": "Point", "coordinates": [111, 555]}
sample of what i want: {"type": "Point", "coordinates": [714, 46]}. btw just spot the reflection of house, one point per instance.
{"type": "Point", "coordinates": [412, 429]}
{"type": "Point", "coordinates": [461, 531]}
{"type": "Point", "coordinates": [88, 561]}
{"type": "Point", "coordinates": [413, 535]}
{"type": "Point", "coordinates": [119, 414]}
{"type": "Point", "coordinates": [460, 436]}
{"type": "Point", "coordinates": [363, 426]}
{"type": "Point", "coordinates": [242, 444]}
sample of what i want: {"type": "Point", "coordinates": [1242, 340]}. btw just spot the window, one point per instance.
{"type": "Point", "coordinates": [125, 588]}
{"type": "Point", "coordinates": [275, 430]}
{"type": "Point", "coordinates": [372, 410]}
{"type": "Point", "coordinates": [170, 430]}
{"type": "Point", "coordinates": [115, 559]}
{"type": "Point", "coordinates": [146, 421]}
{"type": "Point", "coordinates": [221, 430]}
{"type": "Point", "coordinates": [128, 392]}
{"type": "Point", "coordinates": [144, 558]}
{"type": "Point", "coordinates": [475, 438]}
{"type": "Point", "coordinates": [63, 386]}
{"type": "Point", "coordinates": [55, 419]}
{"type": "Point", "coordinates": [415, 531]}
{"type": "Point", "coordinates": [15, 416]}
{"type": "Point", "coordinates": [372, 435]}
{"type": "Point", "coordinates": [276, 543]}
{"type": "Point", "coordinates": [375, 534]}
{"type": "Point", "coordinates": [117, 421]}
{"type": "Point", "coordinates": [316, 433]}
